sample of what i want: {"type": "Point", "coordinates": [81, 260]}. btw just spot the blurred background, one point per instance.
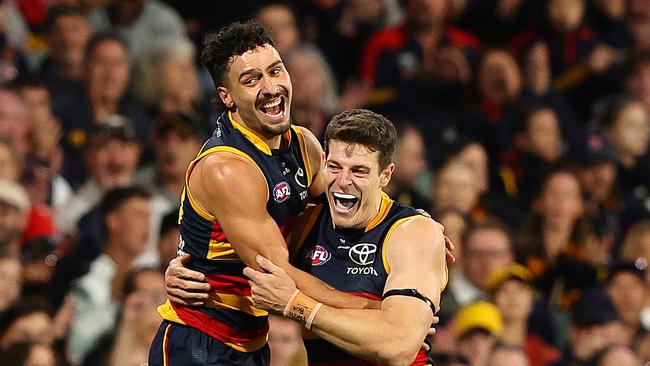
{"type": "Point", "coordinates": [523, 128]}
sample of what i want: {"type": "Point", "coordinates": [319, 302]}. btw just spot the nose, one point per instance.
{"type": "Point", "coordinates": [269, 87]}
{"type": "Point", "coordinates": [343, 178]}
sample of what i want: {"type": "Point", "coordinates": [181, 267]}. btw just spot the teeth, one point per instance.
{"type": "Point", "coordinates": [272, 103]}
{"type": "Point", "coordinates": [344, 196]}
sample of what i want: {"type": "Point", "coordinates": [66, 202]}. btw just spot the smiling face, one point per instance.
{"type": "Point", "coordinates": [258, 91]}
{"type": "Point", "coordinates": [354, 181]}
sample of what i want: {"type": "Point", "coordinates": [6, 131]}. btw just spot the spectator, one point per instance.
{"type": "Point", "coordinates": [315, 96]}
{"type": "Point", "coordinates": [28, 320]}
{"type": "Point", "coordinates": [15, 124]}
{"type": "Point", "coordinates": [510, 289]}
{"type": "Point", "coordinates": [455, 187]}
{"type": "Point", "coordinates": [29, 354]}
{"type": "Point", "coordinates": [506, 355]}
{"type": "Point", "coordinates": [410, 157]}
{"type": "Point", "coordinates": [616, 356]}
{"type": "Point", "coordinates": [636, 246]}
{"type": "Point", "coordinates": [597, 173]}
{"type": "Point", "coordinates": [280, 20]}
{"type": "Point", "coordinates": [129, 342]}
{"type": "Point", "coordinates": [167, 80]}
{"type": "Point", "coordinates": [537, 145]}
{"type": "Point", "coordinates": [478, 327]}
{"type": "Point", "coordinates": [402, 59]}
{"type": "Point", "coordinates": [141, 22]}
{"type": "Point", "coordinates": [176, 140]}
{"type": "Point", "coordinates": [11, 284]}
{"type": "Point", "coordinates": [169, 238]}
{"type": "Point", "coordinates": [486, 247]}
{"type": "Point", "coordinates": [96, 296]}
{"type": "Point", "coordinates": [594, 325]}
{"type": "Point", "coordinates": [112, 153]}
{"type": "Point", "coordinates": [14, 210]}
{"type": "Point", "coordinates": [66, 33]}
{"type": "Point", "coordinates": [557, 243]}
{"type": "Point", "coordinates": [103, 95]}
{"type": "Point", "coordinates": [625, 284]}
{"type": "Point", "coordinates": [42, 172]}
{"type": "Point", "coordinates": [9, 164]}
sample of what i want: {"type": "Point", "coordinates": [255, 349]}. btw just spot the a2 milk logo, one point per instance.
{"type": "Point", "coordinates": [281, 192]}
{"type": "Point", "coordinates": [318, 256]}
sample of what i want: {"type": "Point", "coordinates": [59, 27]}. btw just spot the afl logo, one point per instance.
{"type": "Point", "coordinates": [318, 256]}
{"type": "Point", "coordinates": [281, 192]}
{"type": "Point", "coordinates": [363, 253]}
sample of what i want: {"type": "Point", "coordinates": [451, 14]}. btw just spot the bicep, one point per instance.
{"type": "Point", "coordinates": [416, 256]}
{"type": "Point", "coordinates": [244, 218]}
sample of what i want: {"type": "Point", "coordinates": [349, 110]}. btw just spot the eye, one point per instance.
{"type": "Point", "coordinates": [361, 173]}
{"type": "Point", "coordinates": [276, 71]}
{"type": "Point", "coordinates": [251, 81]}
{"type": "Point", "coordinates": [333, 168]}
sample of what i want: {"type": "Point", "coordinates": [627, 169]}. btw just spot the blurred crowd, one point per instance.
{"type": "Point", "coordinates": [523, 129]}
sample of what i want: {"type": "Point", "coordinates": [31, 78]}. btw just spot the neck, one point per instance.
{"type": "Point", "coordinates": [70, 69]}
{"type": "Point", "coordinates": [514, 333]}
{"type": "Point", "coordinates": [172, 183]}
{"type": "Point", "coordinates": [555, 239]}
{"type": "Point", "coordinates": [273, 142]}
{"type": "Point", "coordinates": [122, 259]}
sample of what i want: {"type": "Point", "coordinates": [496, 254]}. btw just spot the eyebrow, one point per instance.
{"type": "Point", "coordinates": [254, 70]}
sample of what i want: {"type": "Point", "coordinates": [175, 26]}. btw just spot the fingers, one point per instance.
{"type": "Point", "coordinates": [184, 259]}
{"type": "Point", "coordinates": [431, 331]}
{"type": "Point", "coordinates": [267, 265]}
{"type": "Point", "coordinates": [183, 297]}
{"type": "Point", "coordinates": [435, 320]}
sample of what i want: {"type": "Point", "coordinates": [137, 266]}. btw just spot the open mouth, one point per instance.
{"type": "Point", "coordinates": [344, 202]}
{"type": "Point", "coordinates": [273, 107]}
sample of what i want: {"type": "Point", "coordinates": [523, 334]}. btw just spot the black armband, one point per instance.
{"type": "Point", "coordinates": [411, 292]}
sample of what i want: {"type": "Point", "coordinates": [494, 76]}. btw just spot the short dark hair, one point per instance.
{"type": "Point", "coordinates": [100, 38]}
{"type": "Point", "coordinates": [364, 127]}
{"type": "Point", "coordinates": [169, 222]}
{"type": "Point", "coordinates": [114, 199]}
{"type": "Point", "coordinates": [232, 40]}
{"type": "Point", "coordinates": [489, 223]}
{"type": "Point", "coordinates": [57, 11]}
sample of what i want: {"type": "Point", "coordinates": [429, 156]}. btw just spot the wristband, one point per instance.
{"type": "Point", "coordinates": [302, 308]}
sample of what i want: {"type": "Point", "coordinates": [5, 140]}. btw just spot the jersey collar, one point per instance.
{"type": "Point", "coordinates": [258, 142]}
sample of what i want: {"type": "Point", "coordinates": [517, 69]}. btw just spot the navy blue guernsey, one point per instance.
{"type": "Point", "coordinates": [229, 315]}
{"type": "Point", "coordinates": [350, 260]}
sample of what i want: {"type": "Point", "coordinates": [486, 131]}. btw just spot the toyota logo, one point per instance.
{"type": "Point", "coordinates": [363, 253]}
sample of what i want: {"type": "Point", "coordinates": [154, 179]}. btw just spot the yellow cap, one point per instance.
{"type": "Point", "coordinates": [479, 315]}
{"type": "Point", "coordinates": [501, 275]}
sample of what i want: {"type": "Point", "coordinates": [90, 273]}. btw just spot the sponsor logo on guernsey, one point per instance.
{"type": "Point", "coordinates": [300, 177]}
{"type": "Point", "coordinates": [363, 254]}
{"type": "Point", "coordinates": [364, 271]}
{"type": "Point", "coordinates": [281, 192]}
{"type": "Point", "coordinates": [318, 256]}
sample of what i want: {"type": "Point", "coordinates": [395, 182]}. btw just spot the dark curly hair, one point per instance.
{"type": "Point", "coordinates": [363, 127]}
{"type": "Point", "coordinates": [232, 40]}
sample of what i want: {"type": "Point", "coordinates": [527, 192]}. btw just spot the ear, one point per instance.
{"type": "Point", "coordinates": [111, 222]}
{"type": "Point", "coordinates": [386, 174]}
{"type": "Point", "coordinates": [225, 97]}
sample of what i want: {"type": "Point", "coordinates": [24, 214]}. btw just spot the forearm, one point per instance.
{"type": "Point", "coordinates": [324, 293]}
{"type": "Point", "coordinates": [370, 334]}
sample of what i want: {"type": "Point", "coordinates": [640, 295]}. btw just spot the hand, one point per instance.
{"type": "Point", "coordinates": [184, 286]}
{"type": "Point", "coordinates": [271, 290]}
{"type": "Point", "coordinates": [449, 250]}
{"type": "Point", "coordinates": [430, 332]}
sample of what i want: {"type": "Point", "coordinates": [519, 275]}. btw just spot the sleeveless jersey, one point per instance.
{"type": "Point", "coordinates": [230, 316]}
{"type": "Point", "coordinates": [350, 260]}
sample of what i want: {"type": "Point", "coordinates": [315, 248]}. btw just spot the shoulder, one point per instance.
{"type": "Point", "coordinates": [415, 232]}
{"type": "Point", "coordinates": [225, 169]}
{"type": "Point", "coordinates": [311, 142]}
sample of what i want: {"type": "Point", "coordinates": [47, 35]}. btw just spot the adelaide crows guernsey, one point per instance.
{"type": "Point", "coordinates": [350, 260]}
{"type": "Point", "coordinates": [229, 315]}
